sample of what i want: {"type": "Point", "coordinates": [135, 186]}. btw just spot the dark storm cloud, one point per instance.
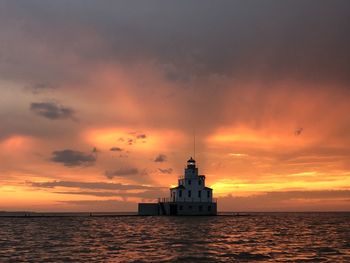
{"type": "Point", "coordinates": [160, 158]}
{"type": "Point", "coordinates": [306, 40]}
{"type": "Point", "coordinates": [90, 185]}
{"type": "Point", "coordinates": [122, 172]}
{"type": "Point", "coordinates": [52, 110]}
{"type": "Point", "coordinates": [71, 158]}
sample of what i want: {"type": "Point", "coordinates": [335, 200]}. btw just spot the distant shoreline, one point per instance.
{"type": "Point", "coordinates": [4, 214]}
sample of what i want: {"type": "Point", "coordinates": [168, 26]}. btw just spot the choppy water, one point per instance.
{"type": "Point", "coordinates": [299, 237]}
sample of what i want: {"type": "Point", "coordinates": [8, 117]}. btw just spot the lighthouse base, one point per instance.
{"type": "Point", "coordinates": [178, 208]}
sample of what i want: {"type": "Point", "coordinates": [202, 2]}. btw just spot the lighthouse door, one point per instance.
{"type": "Point", "coordinates": [173, 209]}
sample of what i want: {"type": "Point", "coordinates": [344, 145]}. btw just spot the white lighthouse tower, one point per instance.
{"type": "Point", "coordinates": [190, 197]}
{"type": "Point", "coordinates": [191, 186]}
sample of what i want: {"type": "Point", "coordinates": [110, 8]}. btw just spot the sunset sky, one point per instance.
{"type": "Point", "coordinates": [99, 101]}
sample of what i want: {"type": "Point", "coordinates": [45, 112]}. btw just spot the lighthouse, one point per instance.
{"type": "Point", "coordinates": [190, 197]}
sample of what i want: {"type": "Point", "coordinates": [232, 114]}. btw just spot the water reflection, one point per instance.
{"type": "Point", "coordinates": [264, 237]}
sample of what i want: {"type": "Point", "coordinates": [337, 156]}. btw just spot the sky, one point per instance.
{"type": "Point", "coordinates": [99, 101]}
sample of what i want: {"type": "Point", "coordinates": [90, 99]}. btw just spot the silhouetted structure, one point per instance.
{"type": "Point", "coordinates": [190, 197]}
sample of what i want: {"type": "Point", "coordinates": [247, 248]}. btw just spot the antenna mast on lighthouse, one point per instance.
{"type": "Point", "coordinates": [194, 121]}
{"type": "Point", "coordinates": [194, 143]}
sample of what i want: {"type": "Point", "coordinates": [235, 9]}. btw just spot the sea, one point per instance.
{"type": "Point", "coordinates": [248, 237]}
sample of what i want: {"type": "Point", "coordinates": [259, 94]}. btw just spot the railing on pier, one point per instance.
{"type": "Point", "coordinates": [165, 200]}
{"type": "Point", "coordinates": [187, 200]}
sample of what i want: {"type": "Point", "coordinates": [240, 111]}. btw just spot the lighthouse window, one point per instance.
{"type": "Point", "coordinates": [189, 181]}
{"type": "Point", "coordinates": [189, 193]}
{"type": "Point", "coordinates": [208, 194]}
{"type": "Point", "coordinates": [180, 193]}
{"type": "Point", "coordinates": [199, 182]}
{"type": "Point", "coordinates": [199, 193]}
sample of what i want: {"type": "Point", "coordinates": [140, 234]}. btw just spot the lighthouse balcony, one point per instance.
{"type": "Point", "coordinates": [185, 200]}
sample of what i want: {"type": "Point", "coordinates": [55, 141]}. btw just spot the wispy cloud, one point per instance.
{"type": "Point", "coordinates": [116, 149]}
{"type": "Point", "coordinates": [141, 136]}
{"type": "Point", "coordinates": [322, 200]}
{"type": "Point", "coordinates": [238, 154]}
{"type": "Point", "coordinates": [166, 170]}
{"type": "Point", "coordinates": [40, 87]}
{"type": "Point", "coordinates": [160, 158]}
{"type": "Point", "coordinates": [91, 185]}
{"type": "Point", "coordinates": [122, 172]}
{"type": "Point", "coordinates": [147, 194]}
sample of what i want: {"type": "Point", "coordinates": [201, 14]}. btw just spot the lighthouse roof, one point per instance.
{"type": "Point", "coordinates": [178, 187]}
{"type": "Point", "coordinates": [191, 160]}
